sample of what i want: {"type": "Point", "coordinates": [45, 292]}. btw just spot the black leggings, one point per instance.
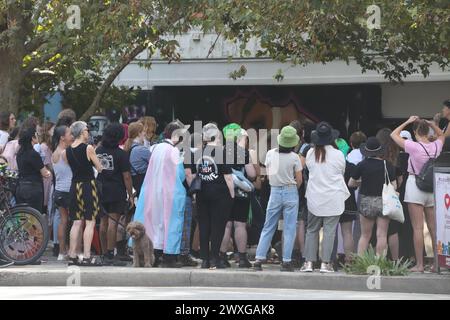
{"type": "Point", "coordinates": [213, 215]}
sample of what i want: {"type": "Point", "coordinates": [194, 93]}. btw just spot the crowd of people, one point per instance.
{"type": "Point", "coordinates": [216, 196]}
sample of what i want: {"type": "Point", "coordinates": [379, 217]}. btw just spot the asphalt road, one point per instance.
{"type": "Point", "coordinates": [199, 293]}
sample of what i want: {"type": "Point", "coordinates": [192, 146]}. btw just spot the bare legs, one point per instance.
{"type": "Point", "coordinates": [226, 237]}
{"type": "Point", "coordinates": [366, 233]}
{"type": "Point", "coordinates": [87, 237]}
{"type": "Point", "coordinates": [394, 246]}
{"type": "Point", "coordinates": [382, 228]}
{"type": "Point", "coordinates": [76, 234]}
{"type": "Point", "coordinates": [347, 236]}
{"type": "Point", "coordinates": [416, 213]}
{"type": "Point", "coordinates": [62, 230]}
{"type": "Point", "coordinates": [430, 218]}
{"type": "Point", "coordinates": [240, 236]}
{"type": "Point", "coordinates": [76, 237]}
{"type": "Point", "coordinates": [108, 232]}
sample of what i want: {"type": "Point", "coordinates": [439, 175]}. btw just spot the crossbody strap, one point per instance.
{"type": "Point", "coordinates": [427, 151]}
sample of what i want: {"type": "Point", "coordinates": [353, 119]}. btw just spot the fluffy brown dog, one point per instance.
{"type": "Point", "coordinates": [142, 245]}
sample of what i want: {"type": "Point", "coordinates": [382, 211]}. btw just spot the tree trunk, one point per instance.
{"type": "Point", "coordinates": [109, 80]}
{"type": "Point", "coordinates": [10, 81]}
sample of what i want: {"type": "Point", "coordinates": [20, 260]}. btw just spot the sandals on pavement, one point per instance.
{"type": "Point", "coordinates": [90, 262]}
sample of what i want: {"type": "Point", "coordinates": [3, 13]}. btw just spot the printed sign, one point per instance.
{"type": "Point", "coordinates": [442, 193]}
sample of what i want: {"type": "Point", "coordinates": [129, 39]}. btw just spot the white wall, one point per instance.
{"type": "Point", "coordinates": [423, 99]}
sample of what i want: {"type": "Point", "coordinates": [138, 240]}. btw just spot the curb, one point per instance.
{"type": "Point", "coordinates": [120, 277]}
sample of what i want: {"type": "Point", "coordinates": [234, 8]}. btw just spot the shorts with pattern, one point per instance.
{"type": "Point", "coordinates": [370, 207]}
{"type": "Point", "coordinates": [84, 201]}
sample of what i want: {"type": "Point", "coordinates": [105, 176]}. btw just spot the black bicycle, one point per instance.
{"type": "Point", "coordinates": [23, 230]}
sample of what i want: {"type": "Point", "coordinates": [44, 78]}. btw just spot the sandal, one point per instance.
{"type": "Point", "coordinates": [90, 262]}
{"type": "Point", "coordinates": [73, 261]}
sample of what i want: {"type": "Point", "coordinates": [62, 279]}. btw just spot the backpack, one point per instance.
{"type": "Point", "coordinates": [424, 180]}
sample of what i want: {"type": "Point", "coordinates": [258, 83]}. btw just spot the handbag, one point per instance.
{"type": "Point", "coordinates": [243, 187]}
{"type": "Point", "coordinates": [392, 207]}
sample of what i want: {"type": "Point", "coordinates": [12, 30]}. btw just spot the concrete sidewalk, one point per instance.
{"type": "Point", "coordinates": [58, 274]}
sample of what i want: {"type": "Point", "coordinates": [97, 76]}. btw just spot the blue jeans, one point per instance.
{"type": "Point", "coordinates": [56, 222]}
{"type": "Point", "coordinates": [283, 200]}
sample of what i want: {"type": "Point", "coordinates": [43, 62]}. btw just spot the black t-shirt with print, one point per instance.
{"type": "Point", "coordinates": [114, 162]}
{"type": "Point", "coordinates": [29, 163]}
{"type": "Point", "coordinates": [372, 174]}
{"type": "Point", "coordinates": [212, 169]}
{"type": "Point", "coordinates": [236, 156]}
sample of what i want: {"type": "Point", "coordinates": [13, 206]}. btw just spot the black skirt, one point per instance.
{"type": "Point", "coordinates": [84, 201]}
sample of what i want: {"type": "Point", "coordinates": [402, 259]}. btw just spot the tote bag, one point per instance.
{"type": "Point", "coordinates": [392, 207]}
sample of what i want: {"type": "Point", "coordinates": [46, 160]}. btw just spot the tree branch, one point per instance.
{"type": "Point", "coordinates": [34, 44]}
{"type": "Point", "coordinates": [126, 59]}
{"type": "Point", "coordinates": [211, 49]}
{"type": "Point", "coordinates": [38, 62]}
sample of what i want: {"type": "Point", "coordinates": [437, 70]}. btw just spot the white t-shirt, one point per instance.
{"type": "Point", "coordinates": [281, 168]}
{"type": "Point", "coordinates": [355, 157]}
{"type": "Point", "coordinates": [326, 191]}
{"type": "Point", "coordinates": [3, 139]}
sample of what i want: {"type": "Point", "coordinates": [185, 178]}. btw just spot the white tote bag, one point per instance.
{"type": "Point", "coordinates": [392, 207]}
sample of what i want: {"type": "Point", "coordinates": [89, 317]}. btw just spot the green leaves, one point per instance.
{"type": "Point", "coordinates": [361, 263]}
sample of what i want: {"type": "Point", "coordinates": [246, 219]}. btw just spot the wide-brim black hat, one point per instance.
{"type": "Point", "coordinates": [324, 134]}
{"type": "Point", "coordinates": [372, 148]}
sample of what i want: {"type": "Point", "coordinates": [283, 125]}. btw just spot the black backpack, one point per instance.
{"type": "Point", "coordinates": [424, 180]}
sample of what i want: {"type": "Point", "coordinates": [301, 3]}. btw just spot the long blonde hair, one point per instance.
{"type": "Point", "coordinates": [149, 127]}
{"type": "Point", "coordinates": [134, 130]}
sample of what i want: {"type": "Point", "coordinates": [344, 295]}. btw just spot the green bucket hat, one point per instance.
{"type": "Point", "coordinates": [231, 131]}
{"type": "Point", "coordinates": [288, 137]}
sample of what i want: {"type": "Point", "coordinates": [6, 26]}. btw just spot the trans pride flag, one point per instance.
{"type": "Point", "coordinates": [162, 199]}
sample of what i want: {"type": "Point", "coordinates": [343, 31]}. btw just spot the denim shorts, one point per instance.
{"type": "Point", "coordinates": [370, 207]}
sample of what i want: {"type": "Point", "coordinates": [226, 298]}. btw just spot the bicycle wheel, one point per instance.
{"type": "Point", "coordinates": [23, 235]}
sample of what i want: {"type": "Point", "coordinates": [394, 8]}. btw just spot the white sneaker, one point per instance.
{"type": "Point", "coordinates": [62, 257]}
{"type": "Point", "coordinates": [326, 268]}
{"type": "Point", "coordinates": [307, 267]}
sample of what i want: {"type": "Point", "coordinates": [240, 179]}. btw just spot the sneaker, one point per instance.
{"type": "Point", "coordinates": [195, 254]}
{"type": "Point", "coordinates": [257, 265]}
{"type": "Point", "coordinates": [307, 267]}
{"type": "Point", "coordinates": [326, 268]}
{"type": "Point", "coordinates": [243, 261]}
{"type": "Point", "coordinates": [287, 267]}
{"type": "Point", "coordinates": [62, 257]}
{"type": "Point", "coordinates": [187, 261]}
{"type": "Point", "coordinates": [217, 264]}
{"type": "Point", "coordinates": [224, 260]}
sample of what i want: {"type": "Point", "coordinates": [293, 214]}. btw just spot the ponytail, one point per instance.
{"type": "Point", "coordinates": [59, 132]}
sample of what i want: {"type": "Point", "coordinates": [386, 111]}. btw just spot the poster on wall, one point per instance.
{"type": "Point", "coordinates": [442, 194]}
